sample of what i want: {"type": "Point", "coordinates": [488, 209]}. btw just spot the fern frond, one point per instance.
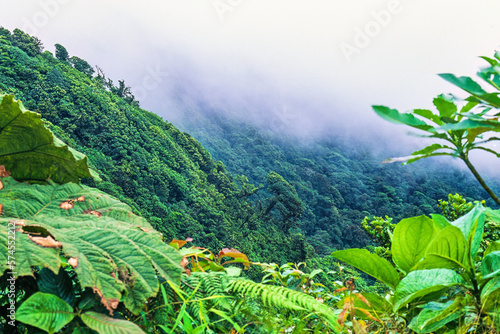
{"type": "Point", "coordinates": [277, 296]}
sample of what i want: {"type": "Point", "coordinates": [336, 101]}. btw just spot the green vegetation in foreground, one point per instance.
{"type": "Point", "coordinates": [85, 263]}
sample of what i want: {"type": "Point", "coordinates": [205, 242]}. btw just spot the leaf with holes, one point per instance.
{"type": "Point", "coordinates": [119, 254]}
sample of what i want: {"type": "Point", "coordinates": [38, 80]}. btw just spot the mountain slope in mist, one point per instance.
{"type": "Point", "coordinates": [340, 181]}
{"type": "Point", "coordinates": [161, 172]}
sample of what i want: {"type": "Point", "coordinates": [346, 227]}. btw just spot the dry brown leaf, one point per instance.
{"type": "Point", "coordinates": [92, 212]}
{"type": "Point", "coordinates": [3, 172]}
{"type": "Point", "coordinates": [1, 185]}
{"type": "Point", "coordinates": [66, 205]}
{"type": "Point", "coordinates": [184, 262]}
{"type": "Point", "coordinates": [81, 199]}
{"type": "Point", "coordinates": [48, 242]}
{"type": "Point", "coordinates": [1, 209]}
{"type": "Point", "coordinates": [110, 304]}
{"type": "Point", "coordinates": [179, 243]}
{"type": "Point", "coordinates": [363, 299]}
{"type": "Point", "coordinates": [73, 262]}
{"type": "Point", "coordinates": [18, 222]}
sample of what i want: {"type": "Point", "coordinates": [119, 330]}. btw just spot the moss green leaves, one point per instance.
{"type": "Point", "coordinates": [31, 152]}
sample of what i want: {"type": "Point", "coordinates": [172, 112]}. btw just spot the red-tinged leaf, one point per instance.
{"type": "Point", "coordinates": [189, 239]}
{"type": "Point", "coordinates": [363, 299]}
{"type": "Point", "coordinates": [177, 243]}
{"type": "Point", "coordinates": [236, 254]}
{"type": "Point", "coordinates": [1, 209]}
{"type": "Point", "coordinates": [367, 313]}
{"type": "Point", "coordinates": [1, 185]}
{"type": "Point", "coordinates": [341, 289]}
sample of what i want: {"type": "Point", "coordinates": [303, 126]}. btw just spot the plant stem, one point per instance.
{"type": "Point", "coordinates": [480, 179]}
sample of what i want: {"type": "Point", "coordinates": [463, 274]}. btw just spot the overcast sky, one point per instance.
{"type": "Point", "coordinates": [308, 64]}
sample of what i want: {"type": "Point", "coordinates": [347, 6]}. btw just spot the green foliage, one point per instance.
{"type": "Point", "coordinates": [107, 252]}
{"type": "Point", "coordinates": [447, 283]}
{"type": "Point", "coordinates": [50, 313]}
{"type": "Point", "coordinates": [285, 298]}
{"type": "Point", "coordinates": [61, 53]}
{"type": "Point", "coordinates": [45, 311]}
{"type": "Point", "coordinates": [463, 129]}
{"type": "Point", "coordinates": [82, 65]}
{"type": "Point", "coordinates": [87, 224]}
{"type": "Point", "coordinates": [285, 199]}
{"type": "Point", "coordinates": [380, 231]}
{"type": "Point", "coordinates": [371, 264]}
{"type": "Point", "coordinates": [31, 152]}
{"type": "Point", "coordinates": [339, 181]}
{"type": "Point", "coordinates": [29, 44]}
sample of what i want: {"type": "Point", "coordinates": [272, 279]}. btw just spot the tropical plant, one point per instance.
{"type": "Point", "coordinates": [108, 253]}
{"type": "Point", "coordinates": [463, 129]}
{"type": "Point", "coordinates": [441, 280]}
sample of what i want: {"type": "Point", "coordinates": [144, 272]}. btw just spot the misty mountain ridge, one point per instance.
{"type": "Point", "coordinates": [300, 191]}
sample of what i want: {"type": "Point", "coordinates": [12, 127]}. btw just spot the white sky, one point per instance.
{"type": "Point", "coordinates": [266, 55]}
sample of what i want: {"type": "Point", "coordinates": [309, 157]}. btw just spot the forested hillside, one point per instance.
{"type": "Point", "coordinates": [171, 179]}
{"type": "Point", "coordinates": [77, 257]}
{"type": "Point", "coordinates": [146, 162]}
{"type": "Point", "coordinates": [339, 182]}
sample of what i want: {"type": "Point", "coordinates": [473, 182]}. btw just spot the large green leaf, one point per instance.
{"type": "Point", "coordinates": [420, 283]}
{"type": "Point", "coordinates": [395, 116]}
{"type": "Point", "coordinates": [45, 311]}
{"type": "Point", "coordinates": [377, 306]}
{"type": "Point", "coordinates": [472, 87]}
{"type": "Point", "coordinates": [31, 152]}
{"type": "Point", "coordinates": [448, 250]}
{"type": "Point", "coordinates": [103, 324]}
{"type": "Point", "coordinates": [116, 250]}
{"type": "Point", "coordinates": [60, 285]}
{"type": "Point", "coordinates": [493, 247]}
{"type": "Point", "coordinates": [371, 264]}
{"type": "Point", "coordinates": [16, 249]}
{"type": "Point", "coordinates": [472, 227]}
{"type": "Point", "coordinates": [490, 266]}
{"type": "Point", "coordinates": [445, 105]}
{"type": "Point", "coordinates": [436, 315]}
{"type": "Point", "coordinates": [410, 241]}
{"type": "Point", "coordinates": [490, 295]}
